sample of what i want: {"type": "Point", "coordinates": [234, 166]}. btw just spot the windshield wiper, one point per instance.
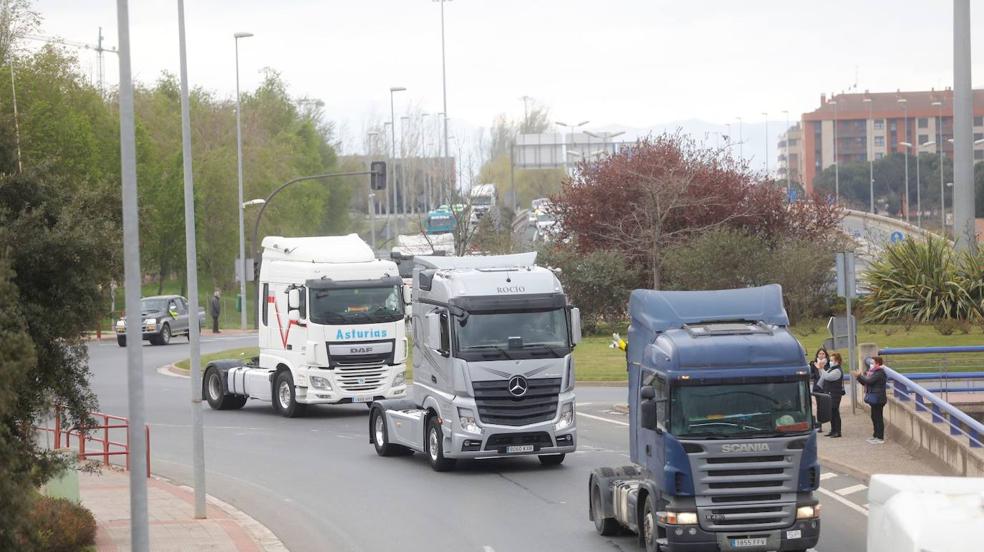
{"type": "Point", "coordinates": [550, 348]}
{"type": "Point", "coordinates": [498, 348]}
{"type": "Point", "coordinates": [729, 424]}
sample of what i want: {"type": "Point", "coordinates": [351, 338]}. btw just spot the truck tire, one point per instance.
{"type": "Point", "coordinates": [605, 526]}
{"type": "Point", "coordinates": [121, 340]}
{"type": "Point", "coordinates": [285, 400]}
{"type": "Point", "coordinates": [648, 531]}
{"type": "Point", "coordinates": [215, 394]}
{"type": "Point", "coordinates": [552, 459]}
{"type": "Point", "coordinates": [379, 434]}
{"type": "Point", "coordinates": [162, 338]}
{"type": "Point", "coordinates": [434, 444]}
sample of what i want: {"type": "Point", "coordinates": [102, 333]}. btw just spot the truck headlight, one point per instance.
{"type": "Point", "coordinates": [808, 512]}
{"type": "Point", "coordinates": [151, 324]}
{"type": "Point", "coordinates": [467, 420]}
{"type": "Point", "coordinates": [319, 382]}
{"type": "Point", "coordinates": [400, 379]}
{"type": "Point", "coordinates": [677, 518]}
{"type": "Point", "coordinates": [566, 416]}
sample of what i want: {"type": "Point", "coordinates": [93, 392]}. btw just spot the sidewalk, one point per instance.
{"type": "Point", "coordinates": [171, 514]}
{"type": "Point", "coordinates": [852, 455]}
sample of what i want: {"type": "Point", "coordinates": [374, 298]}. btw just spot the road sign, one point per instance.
{"type": "Point", "coordinates": [846, 281]}
{"type": "Point", "coordinates": [239, 269]}
{"type": "Point", "coordinates": [841, 330]}
{"type": "Point", "coordinates": [896, 236]}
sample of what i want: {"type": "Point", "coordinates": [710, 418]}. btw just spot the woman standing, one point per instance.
{"type": "Point", "coordinates": [819, 361]}
{"type": "Point", "coordinates": [875, 382]}
{"type": "Point", "coordinates": [832, 382]}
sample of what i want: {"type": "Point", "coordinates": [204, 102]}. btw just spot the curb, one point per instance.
{"type": "Point", "coordinates": [173, 371]}
{"type": "Point", "coordinates": [264, 537]}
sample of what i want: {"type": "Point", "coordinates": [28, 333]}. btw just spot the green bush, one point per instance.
{"type": "Point", "coordinates": [946, 326]}
{"type": "Point", "coordinates": [62, 526]}
{"type": "Point", "coordinates": [925, 281]}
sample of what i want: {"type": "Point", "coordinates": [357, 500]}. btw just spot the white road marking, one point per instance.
{"type": "Point", "coordinates": [827, 475]}
{"type": "Point", "coordinates": [851, 490]}
{"type": "Point", "coordinates": [844, 501]}
{"type": "Point", "coordinates": [599, 418]}
{"type": "Point", "coordinates": [584, 404]}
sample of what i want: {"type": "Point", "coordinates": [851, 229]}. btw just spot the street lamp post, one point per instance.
{"type": "Point", "coordinates": [404, 123]}
{"type": "Point", "coordinates": [606, 138]}
{"type": "Point", "coordinates": [939, 150]}
{"type": "Point", "coordinates": [905, 109]}
{"type": "Point", "coordinates": [371, 197]}
{"type": "Point", "coordinates": [837, 183]}
{"type": "Point", "coordinates": [786, 143]}
{"type": "Point", "coordinates": [444, 86]}
{"type": "Point", "coordinates": [572, 128]}
{"type": "Point", "coordinates": [871, 157]}
{"type": "Point", "coordinates": [766, 117]}
{"type": "Point", "coordinates": [239, 171]}
{"type": "Point", "coordinates": [916, 149]}
{"type": "Point", "coordinates": [392, 209]}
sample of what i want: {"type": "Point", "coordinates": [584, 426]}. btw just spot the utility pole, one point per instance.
{"type": "Point", "coordinates": [191, 263]}
{"type": "Point", "coordinates": [444, 84]}
{"type": "Point", "coordinates": [964, 232]}
{"type": "Point", "coordinates": [139, 533]}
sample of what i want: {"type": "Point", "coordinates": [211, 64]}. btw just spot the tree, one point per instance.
{"type": "Point", "coordinates": [663, 190]}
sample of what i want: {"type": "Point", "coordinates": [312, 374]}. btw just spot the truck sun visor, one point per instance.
{"type": "Point", "coordinates": [327, 283]}
{"type": "Point", "coordinates": [490, 303]}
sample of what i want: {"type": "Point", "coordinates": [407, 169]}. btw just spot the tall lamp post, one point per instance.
{"type": "Point", "coordinates": [905, 110]}
{"type": "Point", "coordinates": [606, 137]}
{"type": "Point", "coordinates": [444, 88]}
{"type": "Point", "coordinates": [371, 197]}
{"type": "Point", "coordinates": [392, 209]}
{"type": "Point", "coordinates": [837, 181]}
{"type": "Point", "coordinates": [239, 171]}
{"type": "Point", "coordinates": [939, 150]}
{"type": "Point", "coordinates": [916, 150]}
{"type": "Point", "coordinates": [572, 128]}
{"type": "Point", "coordinates": [871, 157]}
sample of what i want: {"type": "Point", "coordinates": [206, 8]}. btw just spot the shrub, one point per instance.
{"type": "Point", "coordinates": [923, 281]}
{"type": "Point", "coordinates": [61, 526]}
{"type": "Point", "coordinates": [946, 326]}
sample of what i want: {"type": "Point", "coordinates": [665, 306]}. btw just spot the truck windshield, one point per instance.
{"type": "Point", "coordinates": [356, 305]}
{"type": "Point", "coordinates": [481, 201]}
{"type": "Point", "coordinates": [512, 335]}
{"type": "Point", "coordinates": [740, 410]}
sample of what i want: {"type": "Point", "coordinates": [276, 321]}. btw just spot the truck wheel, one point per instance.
{"type": "Point", "coordinates": [379, 434]}
{"type": "Point", "coordinates": [605, 526]}
{"type": "Point", "coordinates": [215, 395]}
{"type": "Point", "coordinates": [435, 447]}
{"type": "Point", "coordinates": [552, 459]}
{"type": "Point", "coordinates": [285, 399]}
{"type": "Point", "coordinates": [121, 340]}
{"type": "Point", "coordinates": [648, 529]}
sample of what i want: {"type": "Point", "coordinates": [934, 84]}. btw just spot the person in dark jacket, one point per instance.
{"type": "Point", "coordinates": [875, 381]}
{"type": "Point", "coordinates": [832, 383]}
{"type": "Point", "coordinates": [215, 306]}
{"type": "Point", "coordinates": [820, 359]}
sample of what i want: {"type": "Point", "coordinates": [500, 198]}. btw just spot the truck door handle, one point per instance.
{"type": "Point", "coordinates": [433, 378]}
{"type": "Point", "coordinates": [649, 450]}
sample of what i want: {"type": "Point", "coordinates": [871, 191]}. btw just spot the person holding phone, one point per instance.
{"type": "Point", "coordinates": [819, 360]}
{"type": "Point", "coordinates": [875, 382]}
{"type": "Point", "coordinates": [831, 381]}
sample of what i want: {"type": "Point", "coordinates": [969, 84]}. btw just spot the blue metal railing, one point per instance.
{"type": "Point", "coordinates": [906, 389]}
{"type": "Point", "coordinates": [956, 369]}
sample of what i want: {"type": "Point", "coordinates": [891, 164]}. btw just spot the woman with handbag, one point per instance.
{"type": "Point", "coordinates": [875, 382]}
{"type": "Point", "coordinates": [832, 383]}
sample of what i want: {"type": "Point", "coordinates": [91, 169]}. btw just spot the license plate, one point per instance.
{"type": "Point", "coordinates": [519, 448]}
{"type": "Point", "coordinates": [362, 398]}
{"type": "Point", "coordinates": [797, 534]}
{"type": "Point", "coordinates": [743, 543]}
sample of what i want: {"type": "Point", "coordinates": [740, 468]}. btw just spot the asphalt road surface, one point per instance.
{"type": "Point", "coordinates": [317, 483]}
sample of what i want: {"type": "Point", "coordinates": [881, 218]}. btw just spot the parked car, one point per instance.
{"type": "Point", "coordinates": [163, 316]}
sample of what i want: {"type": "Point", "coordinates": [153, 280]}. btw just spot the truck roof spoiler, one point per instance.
{"type": "Point", "coordinates": [659, 311]}
{"type": "Point", "coordinates": [517, 260]}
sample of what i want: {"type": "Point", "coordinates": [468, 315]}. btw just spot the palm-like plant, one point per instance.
{"type": "Point", "coordinates": [924, 281]}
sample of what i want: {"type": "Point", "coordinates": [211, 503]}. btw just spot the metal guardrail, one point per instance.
{"type": "Point", "coordinates": [90, 434]}
{"type": "Point", "coordinates": [944, 364]}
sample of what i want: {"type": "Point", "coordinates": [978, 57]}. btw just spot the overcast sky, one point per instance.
{"type": "Point", "coordinates": [637, 63]}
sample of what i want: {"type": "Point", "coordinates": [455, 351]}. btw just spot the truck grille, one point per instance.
{"type": "Point", "coordinates": [497, 406]}
{"type": "Point", "coordinates": [500, 441]}
{"type": "Point", "coordinates": [360, 377]}
{"type": "Point", "coordinates": [747, 491]}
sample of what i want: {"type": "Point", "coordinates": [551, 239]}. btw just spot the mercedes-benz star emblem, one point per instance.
{"type": "Point", "coordinates": [518, 386]}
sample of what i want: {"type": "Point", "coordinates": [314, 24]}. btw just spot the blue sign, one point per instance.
{"type": "Point", "coordinates": [792, 194]}
{"type": "Point", "coordinates": [896, 237]}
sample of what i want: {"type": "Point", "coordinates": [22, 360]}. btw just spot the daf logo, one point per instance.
{"type": "Point", "coordinates": [518, 386]}
{"type": "Point", "coordinates": [361, 381]}
{"type": "Point", "coordinates": [360, 350]}
{"type": "Point", "coordinates": [746, 447]}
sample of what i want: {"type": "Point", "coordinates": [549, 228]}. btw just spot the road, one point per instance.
{"type": "Point", "coordinates": [317, 483]}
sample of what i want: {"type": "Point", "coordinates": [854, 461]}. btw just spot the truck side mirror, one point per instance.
{"type": "Point", "coordinates": [647, 407]}
{"type": "Point", "coordinates": [433, 324]}
{"type": "Point", "coordinates": [823, 407]}
{"type": "Point", "coordinates": [294, 316]}
{"type": "Point", "coordinates": [377, 175]}
{"type": "Point", "coordinates": [406, 295]}
{"type": "Point", "coordinates": [293, 299]}
{"type": "Point", "coordinates": [575, 325]}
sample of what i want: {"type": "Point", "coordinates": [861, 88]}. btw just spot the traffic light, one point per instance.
{"type": "Point", "coordinates": [377, 177]}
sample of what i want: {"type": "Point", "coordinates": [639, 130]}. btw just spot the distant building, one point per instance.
{"type": "Point", "coordinates": [791, 154]}
{"type": "Point", "coordinates": [872, 125]}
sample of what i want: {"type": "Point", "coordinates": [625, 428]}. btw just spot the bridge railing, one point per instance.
{"type": "Point", "coordinates": [947, 369]}
{"type": "Point", "coordinates": [905, 389]}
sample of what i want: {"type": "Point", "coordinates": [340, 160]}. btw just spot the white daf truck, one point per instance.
{"type": "Point", "coordinates": [332, 329]}
{"type": "Point", "coordinates": [493, 372]}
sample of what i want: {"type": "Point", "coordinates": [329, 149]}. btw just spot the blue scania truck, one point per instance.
{"type": "Point", "coordinates": [722, 430]}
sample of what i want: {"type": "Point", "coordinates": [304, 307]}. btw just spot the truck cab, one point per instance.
{"type": "Point", "coordinates": [722, 431]}
{"type": "Point", "coordinates": [483, 200]}
{"type": "Point", "coordinates": [332, 329]}
{"type": "Point", "coordinates": [493, 371]}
